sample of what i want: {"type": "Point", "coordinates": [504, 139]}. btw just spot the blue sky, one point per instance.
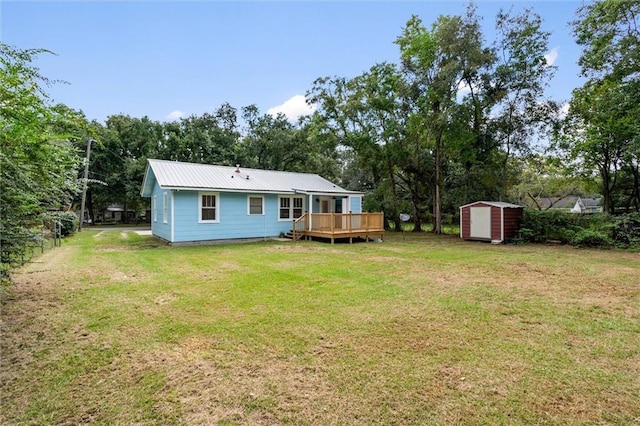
{"type": "Point", "coordinates": [167, 59]}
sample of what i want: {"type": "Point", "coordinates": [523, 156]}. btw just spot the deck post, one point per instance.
{"type": "Point", "coordinates": [310, 211]}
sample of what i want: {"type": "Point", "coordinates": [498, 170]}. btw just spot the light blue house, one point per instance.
{"type": "Point", "coordinates": [200, 202]}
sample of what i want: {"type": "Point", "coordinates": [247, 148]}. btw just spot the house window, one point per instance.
{"type": "Point", "coordinates": [209, 207]}
{"type": "Point", "coordinates": [154, 208]}
{"type": "Point", "coordinates": [291, 207]}
{"type": "Point", "coordinates": [165, 207]}
{"type": "Point", "coordinates": [285, 208]}
{"type": "Point", "coordinates": [297, 207]}
{"type": "Point", "coordinates": [256, 205]}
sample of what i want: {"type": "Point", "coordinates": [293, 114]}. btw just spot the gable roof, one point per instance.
{"type": "Point", "coordinates": [500, 204]}
{"type": "Point", "coordinates": [590, 202]}
{"type": "Point", "coordinates": [206, 177]}
{"type": "Point", "coordinates": [567, 202]}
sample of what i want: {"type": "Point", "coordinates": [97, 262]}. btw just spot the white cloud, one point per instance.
{"type": "Point", "coordinates": [293, 108]}
{"type": "Point", "coordinates": [551, 56]}
{"type": "Point", "coordinates": [174, 115]}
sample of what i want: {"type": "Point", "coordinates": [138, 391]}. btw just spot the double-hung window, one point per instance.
{"type": "Point", "coordinates": [285, 208]}
{"type": "Point", "coordinates": [291, 207]}
{"type": "Point", "coordinates": [255, 205]}
{"type": "Point", "coordinates": [209, 208]}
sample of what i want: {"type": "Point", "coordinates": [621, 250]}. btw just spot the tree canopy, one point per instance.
{"type": "Point", "coordinates": [458, 118]}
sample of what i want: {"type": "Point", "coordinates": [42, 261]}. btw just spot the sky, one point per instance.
{"type": "Point", "coordinates": [173, 59]}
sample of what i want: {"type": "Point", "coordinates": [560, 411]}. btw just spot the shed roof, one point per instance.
{"type": "Point", "coordinates": [193, 176]}
{"type": "Point", "coordinates": [500, 204]}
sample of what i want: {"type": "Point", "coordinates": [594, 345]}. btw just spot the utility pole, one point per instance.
{"type": "Point", "coordinates": [84, 183]}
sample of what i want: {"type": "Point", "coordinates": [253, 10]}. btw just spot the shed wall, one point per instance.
{"type": "Point", "coordinates": [512, 221]}
{"type": "Point", "coordinates": [505, 221]}
{"type": "Point", "coordinates": [496, 223]}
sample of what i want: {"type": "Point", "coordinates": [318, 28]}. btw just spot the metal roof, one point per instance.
{"type": "Point", "coordinates": [500, 204]}
{"type": "Point", "coordinates": [178, 175]}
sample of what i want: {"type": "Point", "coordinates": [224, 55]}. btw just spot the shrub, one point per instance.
{"type": "Point", "coordinates": [67, 220]}
{"type": "Point", "coordinates": [591, 238]}
{"type": "Point", "coordinates": [625, 231]}
{"type": "Point", "coordinates": [583, 230]}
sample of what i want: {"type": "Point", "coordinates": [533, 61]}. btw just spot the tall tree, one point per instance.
{"type": "Point", "coordinates": [520, 77]}
{"type": "Point", "coordinates": [38, 164]}
{"type": "Point", "coordinates": [602, 130]}
{"type": "Point", "coordinates": [365, 115]}
{"type": "Point", "coordinates": [437, 63]}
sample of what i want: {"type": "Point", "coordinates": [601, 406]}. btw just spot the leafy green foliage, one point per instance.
{"type": "Point", "coordinates": [583, 230]}
{"type": "Point", "coordinates": [68, 222]}
{"type": "Point", "coordinates": [38, 162]}
{"type": "Point", "coordinates": [591, 238]}
{"type": "Point", "coordinates": [601, 134]}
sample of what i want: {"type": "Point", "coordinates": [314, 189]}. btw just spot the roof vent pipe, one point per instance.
{"type": "Point", "coordinates": [237, 168]}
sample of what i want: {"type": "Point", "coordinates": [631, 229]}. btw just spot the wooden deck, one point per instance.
{"type": "Point", "coordinates": [339, 225]}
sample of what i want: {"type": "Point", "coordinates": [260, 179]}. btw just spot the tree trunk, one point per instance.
{"type": "Point", "coordinates": [394, 207]}
{"type": "Point", "coordinates": [437, 215]}
{"type": "Point", "coordinates": [417, 217]}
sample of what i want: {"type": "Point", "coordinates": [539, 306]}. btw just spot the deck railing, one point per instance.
{"type": "Point", "coordinates": [338, 223]}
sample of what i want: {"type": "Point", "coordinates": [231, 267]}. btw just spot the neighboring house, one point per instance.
{"type": "Point", "coordinates": [199, 202]}
{"type": "Point", "coordinates": [572, 204]}
{"type": "Point", "coordinates": [114, 213]}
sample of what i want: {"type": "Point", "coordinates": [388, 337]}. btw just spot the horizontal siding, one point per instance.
{"type": "Point", "coordinates": [355, 204]}
{"type": "Point", "coordinates": [496, 223]}
{"type": "Point", "coordinates": [159, 228]}
{"type": "Point", "coordinates": [234, 222]}
{"type": "Point", "coordinates": [465, 230]}
{"type": "Point", "coordinates": [512, 222]}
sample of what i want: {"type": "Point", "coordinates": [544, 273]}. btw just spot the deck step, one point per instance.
{"type": "Point", "coordinates": [289, 235]}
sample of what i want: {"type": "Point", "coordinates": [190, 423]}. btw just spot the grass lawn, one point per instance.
{"type": "Point", "coordinates": [117, 328]}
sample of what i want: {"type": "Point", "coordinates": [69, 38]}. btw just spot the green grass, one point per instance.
{"type": "Point", "coordinates": [117, 328]}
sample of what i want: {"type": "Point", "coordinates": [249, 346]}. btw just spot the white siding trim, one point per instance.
{"type": "Point", "coordinates": [501, 225]}
{"type": "Point", "coordinates": [173, 215]}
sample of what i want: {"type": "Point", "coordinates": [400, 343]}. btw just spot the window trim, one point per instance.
{"type": "Point", "coordinates": [262, 212]}
{"type": "Point", "coordinates": [291, 207]}
{"type": "Point", "coordinates": [217, 207]}
{"type": "Point", "coordinates": [165, 207]}
{"type": "Point", "coordinates": [154, 208]}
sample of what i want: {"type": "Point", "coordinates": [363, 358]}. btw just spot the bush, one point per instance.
{"type": "Point", "coordinates": [583, 230]}
{"type": "Point", "coordinates": [591, 238]}
{"type": "Point", "coordinates": [625, 231]}
{"type": "Point", "coordinates": [68, 221]}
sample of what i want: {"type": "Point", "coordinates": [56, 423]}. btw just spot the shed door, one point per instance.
{"type": "Point", "coordinates": [480, 222]}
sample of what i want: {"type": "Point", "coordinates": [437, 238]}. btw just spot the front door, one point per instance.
{"type": "Point", "coordinates": [480, 222]}
{"type": "Point", "coordinates": [324, 206]}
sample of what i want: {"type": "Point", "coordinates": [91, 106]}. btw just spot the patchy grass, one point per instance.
{"type": "Point", "coordinates": [117, 328]}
